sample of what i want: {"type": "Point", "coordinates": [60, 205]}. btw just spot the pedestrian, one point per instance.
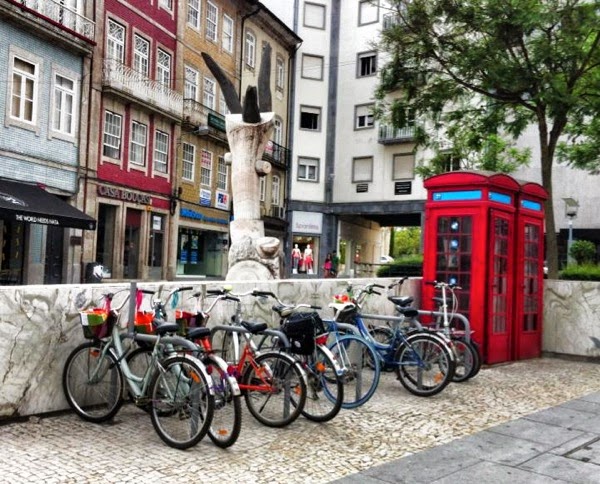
{"type": "Point", "coordinates": [328, 265]}
{"type": "Point", "coordinates": [335, 262]}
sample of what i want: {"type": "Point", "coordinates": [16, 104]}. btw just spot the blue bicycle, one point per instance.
{"type": "Point", "coordinates": [423, 361]}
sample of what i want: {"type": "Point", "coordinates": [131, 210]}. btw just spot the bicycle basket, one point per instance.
{"type": "Point", "coordinates": [143, 322]}
{"type": "Point", "coordinates": [96, 323]}
{"type": "Point", "coordinates": [300, 329]}
{"type": "Point", "coordinates": [186, 320]}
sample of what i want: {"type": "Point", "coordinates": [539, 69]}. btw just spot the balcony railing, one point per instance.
{"type": "Point", "coordinates": [135, 85]}
{"type": "Point", "coordinates": [61, 14]}
{"type": "Point", "coordinates": [277, 212]}
{"type": "Point", "coordinates": [275, 153]}
{"type": "Point", "coordinates": [391, 135]}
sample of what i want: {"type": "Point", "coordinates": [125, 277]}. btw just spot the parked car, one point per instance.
{"type": "Point", "coordinates": [386, 259]}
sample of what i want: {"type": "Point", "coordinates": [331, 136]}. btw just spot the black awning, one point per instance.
{"type": "Point", "coordinates": [32, 204]}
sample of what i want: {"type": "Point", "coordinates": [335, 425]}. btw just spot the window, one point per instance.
{"type": "Point", "coordinates": [275, 189]}
{"type": "Point", "coordinates": [366, 64]}
{"type": "Point", "coordinates": [206, 167]}
{"type": "Point", "coordinates": [250, 49]}
{"type": "Point", "coordinates": [208, 98]}
{"type": "Point", "coordinates": [310, 118]}
{"type": "Point", "coordinates": [277, 130]}
{"type": "Point", "coordinates": [362, 169]}
{"type": "Point", "coordinates": [115, 42]}
{"type": "Point", "coordinates": [404, 166]}
{"type": "Point", "coordinates": [141, 55]}
{"type": "Point", "coordinates": [63, 112]}
{"type": "Point", "coordinates": [161, 152]}
{"type": "Point", "coordinates": [223, 109]}
{"type": "Point", "coordinates": [280, 73]}
{"type": "Point", "coordinates": [24, 90]}
{"type": "Point", "coordinates": [112, 135]}
{"type": "Point", "coordinates": [212, 14]}
{"type": "Point", "coordinates": [312, 67]}
{"type": "Point", "coordinates": [363, 116]}
{"type": "Point", "coordinates": [450, 162]}
{"type": "Point", "coordinates": [314, 15]}
{"type": "Point", "coordinates": [167, 4]}
{"type": "Point", "coordinates": [193, 14]}
{"type": "Point", "coordinates": [137, 145]}
{"type": "Point", "coordinates": [368, 12]}
{"type": "Point", "coordinates": [189, 155]}
{"type": "Point", "coordinates": [262, 188]}
{"type": "Point", "coordinates": [190, 90]}
{"type": "Point", "coordinates": [221, 173]}
{"type": "Point", "coordinates": [227, 33]}
{"type": "Point", "coordinates": [163, 68]}
{"type": "Point", "coordinates": [308, 169]}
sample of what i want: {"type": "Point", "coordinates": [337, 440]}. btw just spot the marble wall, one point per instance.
{"type": "Point", "coordinates": [39, 326]}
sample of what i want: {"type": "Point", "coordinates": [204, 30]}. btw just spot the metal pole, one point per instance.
{"type": "Point", "coordinates": [570, 242]}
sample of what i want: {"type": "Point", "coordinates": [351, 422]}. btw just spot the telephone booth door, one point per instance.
{"type": "Point", "coordinates": [500, 288]}
{"type": "Point", "coordinates": [529, 289]}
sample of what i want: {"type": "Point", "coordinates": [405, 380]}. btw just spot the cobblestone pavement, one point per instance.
{"type": "Point", "coordinates": [393, 424]}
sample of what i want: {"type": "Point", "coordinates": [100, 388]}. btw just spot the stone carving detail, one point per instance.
{"type": "Point", "coordinates": [252, 256]}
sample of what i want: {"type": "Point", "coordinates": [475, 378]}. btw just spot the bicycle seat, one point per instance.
{"type": "Point", "coordinates": [402, 301]}
{"type": "Point", "coordinates": [283, 310]}
{"type": "Point", "coordinates": [164, 328]}
{"type": "Point", "coordinates": [254, 328]}
{"type": "Point", "coordinates": [194, 333]}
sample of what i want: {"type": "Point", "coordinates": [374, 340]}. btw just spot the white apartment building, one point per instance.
{"type": "Point", "coordinates": [352, 176]}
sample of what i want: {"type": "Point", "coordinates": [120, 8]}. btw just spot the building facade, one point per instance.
{"type": "Point", "coordinates": [45, 59]}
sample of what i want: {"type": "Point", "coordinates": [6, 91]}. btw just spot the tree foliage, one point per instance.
{"type": "Point", "coordinates": [407, 241]}
{"type": "Point", "coordinates": [477, 71]}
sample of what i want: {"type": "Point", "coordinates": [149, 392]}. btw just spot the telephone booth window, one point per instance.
{"type": "Point", "coordinates": [501, 273]}
{"type": "Point", "coordinates": [531, 276]}
{"type": "Point", "coordinates": [454, 240]}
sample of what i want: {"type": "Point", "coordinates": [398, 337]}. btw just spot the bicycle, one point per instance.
{"type": "Point", "coordinates": [274, 385]}
{"type": "Point", "coordinates": [308, 337]}
{"type": "Point", "coordinates": [227, 419]}
{"type": "Point", "coordinates": [423, 361]}
{"type": "Point", "coordinates": [176, 388]}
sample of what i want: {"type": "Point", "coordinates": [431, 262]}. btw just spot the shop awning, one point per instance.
{"type": "Point", "coordinates": [30, 203]}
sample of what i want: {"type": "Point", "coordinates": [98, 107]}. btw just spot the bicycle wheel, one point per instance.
{"type": "Point", "coordinates": [275, 389]}
{"type": "Point", "coordinates": [227, 417]}
{"type": "Point", "coordinates": [425, 365]}
{"type": "Point", "coordinates": [360, 368]}
{"type": "Point", "coordinates": [139, 361]}
{"type": "Point", "coordinates": [325, 388]}
{"type": "Point", "coordinates": [93, 383]}
{"type": "Point", "coordinates": [230, 347]}
{"type": "Point", "coordinates": [181, 403]}
{"type": "Point", "coordinates": [384, 336]}
{"type": "Point", "coordinates": [467, 360]}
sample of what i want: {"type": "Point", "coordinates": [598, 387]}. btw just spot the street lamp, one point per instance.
{"type": "Point", "coordinates": [571, 206]}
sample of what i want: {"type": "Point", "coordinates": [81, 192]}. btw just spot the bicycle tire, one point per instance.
{"type": "Point", "coordinates": [352, 354]}
{"type": "Point", "coordinates": [286, 379]}
{"type": "Point", "coordinates": [226, 423]}
{"type": "Point", "coordinates": [325, 388]}
{"type": "Point", "coordinates": [479, 360]}
{"type": "Point", "coordinates": [425, 365]}
{"type": "Point", "coordinates": [230, 347]}
{"type": "Point", "coordinates": [467, 360]}
{"type": "Point", "coordinates": [182, 405]}
{"type": "Point", "coordinates": [98, 400]}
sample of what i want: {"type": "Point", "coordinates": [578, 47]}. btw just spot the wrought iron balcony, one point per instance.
{"type": "Point", "coordinates": [136, 86]}
{"type": "Point", "coordinates": [277, 154]}
{"type": "Point", "coordinates": [389, 135]}
{"type": "Point", "coordinates": [57, 12]}
{"type": "Point", "coordinates": [204, 121]}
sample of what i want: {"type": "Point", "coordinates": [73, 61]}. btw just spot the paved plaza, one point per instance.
{"type": "Point", "coordinates": [386, 440]}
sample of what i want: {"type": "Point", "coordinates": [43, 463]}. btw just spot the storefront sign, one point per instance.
{"type": "Point", "coordinates": [186, 212]}
{"type": "Point", "coordinates": [307, 222]}
{"type": "Point", "coordinates": [205, 197]}
{"type": "Point", "coordinates": [216, 122]}
{"type": "Point", "coordinates": [222, 200]}
{"type": "Point", "coordinates": [126, 195]}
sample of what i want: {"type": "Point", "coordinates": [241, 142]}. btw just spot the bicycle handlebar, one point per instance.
{"type": "Point", "coordinates": [439, 285]}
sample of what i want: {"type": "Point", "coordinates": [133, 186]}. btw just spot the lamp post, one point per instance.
{"type": "Point", "coordinates": [571, 206]}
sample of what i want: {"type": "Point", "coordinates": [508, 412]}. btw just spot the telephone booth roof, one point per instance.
{"type": "Point", "coordinates": [472, 178]}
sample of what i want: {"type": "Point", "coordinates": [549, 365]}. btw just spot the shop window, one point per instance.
{"type": "Point", "coordinates": [157, 235]}
{"type": "Point", "coordinates": [304, 257]}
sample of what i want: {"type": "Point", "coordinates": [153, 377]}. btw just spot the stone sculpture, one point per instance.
{"type": "Point", "coordinates": [252, 256]}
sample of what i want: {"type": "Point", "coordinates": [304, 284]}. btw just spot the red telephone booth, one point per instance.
{"type": "Point", "coordinates": [529, 288]}
{"type": "Point", "coordinates": [471, 239]}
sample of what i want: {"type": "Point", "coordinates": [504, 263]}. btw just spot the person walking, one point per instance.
{"type": "Point", "coordinates": [328, 265]}
{"type": "Point", "coordinates": [335, 262]}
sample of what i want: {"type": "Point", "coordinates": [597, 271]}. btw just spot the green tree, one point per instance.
{"type": "Point", "coordinates": [407, 241]}
{"type": "Point", "coordinates": [583, 251]}
{"type": "Point", "coordinates": [472, 69]}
